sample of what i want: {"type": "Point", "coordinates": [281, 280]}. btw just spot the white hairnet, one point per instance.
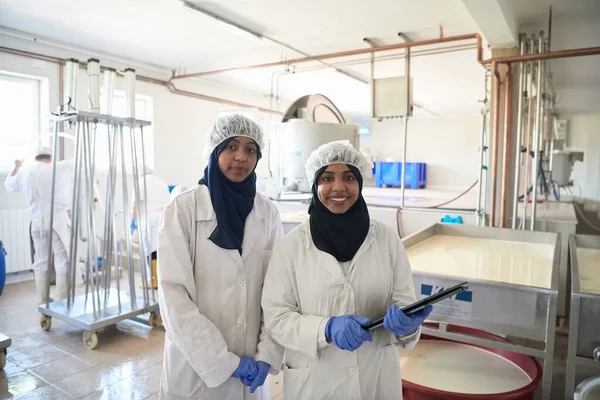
{"type": "Point", "coordinates": [232, 126]}
{"type": "Point", "coordinates": [338, 152]}
{"type": "Point", "coordinates": [177, 190]}
{"type": "Point", "coordinates": [44, 151]}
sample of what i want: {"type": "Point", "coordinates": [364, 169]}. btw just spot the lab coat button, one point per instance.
{"type": "Point", "coordinates": [240, 283]}
{"type": "Point", "coordinates": [240, 323]}
{"type": "Point", "coordinates": [352, 370]}
{"type": "Point", "coordinates": [346, 287]}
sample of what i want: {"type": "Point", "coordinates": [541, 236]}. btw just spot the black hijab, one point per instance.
{"type": "Point", "coordinates": [340, 235]}
{"type": "Point", "coordinates": [232, 201]}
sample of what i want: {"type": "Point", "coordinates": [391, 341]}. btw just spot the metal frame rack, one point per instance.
{"type": "Point", "coordinates": [584, 332]}
{"type": "Point", "coordinates": [102, 305]}
{"type": "Point", "coordinates": [525, 313]}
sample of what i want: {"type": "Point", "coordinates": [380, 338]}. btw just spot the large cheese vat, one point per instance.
{"type": "Point", "coordinates": [453, 372]}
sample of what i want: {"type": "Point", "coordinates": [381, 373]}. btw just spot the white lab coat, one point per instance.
{"type": "Point", "coordinates": [305, 286]}
{"type": "Point", "coordinates": [36, 182]}
{"type": "Point", "coordinates": [210, 298]}
{"type": "Point", "coordinates": [158, 198]}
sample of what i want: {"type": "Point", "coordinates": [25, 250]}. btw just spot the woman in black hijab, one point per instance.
{"type": "Point", "coordinates": [328, 278]}
{"type": "Point", "coordinates": [215, 242]}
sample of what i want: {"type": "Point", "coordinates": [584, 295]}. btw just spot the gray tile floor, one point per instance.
{"type": "Point", "coordinates": [126, 364]}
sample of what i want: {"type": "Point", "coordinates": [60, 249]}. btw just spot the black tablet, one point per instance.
{"type": "Point", "coordinates": [421, 304]}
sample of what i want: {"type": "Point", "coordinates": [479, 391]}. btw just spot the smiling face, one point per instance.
{"type": "Point", "coordinates": [239, 158]}
{"type": "Point", "coordinates": [338, 188]}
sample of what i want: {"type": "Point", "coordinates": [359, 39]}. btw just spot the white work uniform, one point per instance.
{"type": "Point", "coordinates": [158, 198]}
{"type": "Point", "coordinates": [36, 183]}
{"type": "Point", "coordinates": [210, 299]}
{"type": "Point", "coordinates": [305, 286]}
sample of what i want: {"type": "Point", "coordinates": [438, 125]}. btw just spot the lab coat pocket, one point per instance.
{"type": "Point", "coordinates": [297, 384]}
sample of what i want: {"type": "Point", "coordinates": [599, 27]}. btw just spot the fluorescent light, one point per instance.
{"type": "Point", "coordinates": [222, 21]}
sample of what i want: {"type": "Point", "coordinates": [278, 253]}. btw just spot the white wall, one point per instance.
{"type": "Point", "coordinates": [584, 135]}
{"type": "Point", "coordinates": [448, 145]}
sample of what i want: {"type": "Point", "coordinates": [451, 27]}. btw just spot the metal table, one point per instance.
{"type": "Point", "coordinates": [5, 343]}
{"type": "Point", "coordinates": [584, 324]}
{"type": "Point", "coordinates": [524, 312]}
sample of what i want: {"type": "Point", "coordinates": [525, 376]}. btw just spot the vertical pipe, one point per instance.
{"type": "Point", "coordinates": [51, 225]}
{"type": "Point", "coordinates": [130, 93]}
{"type": "Point", "coordinates": [143, 148]}
{"type": "Point", "coordinates": [519, 136]}
{"type": "Point", "coordinates": [109, 88]}
{"type": "Point", "coordinates": [505, 154]}
{"type": "Point", "coordinates": [130, 271]}
{"type": "Point", "coordinates": [482, 152]}
{"type": "Point", "coordinates": [74, 218]}
{"type": "Point", "coordinates": [69, 102]}
{"type": "Point", "coordinates": [407, 85]}
{"type": "Point", "coordinates": [93, 69]}
{"type": "Point", "coordinates": [538, 128]}
{"type": "Point", "coordinates": [494, 143]}
{"type": "Point", "coordinates": [529, 132]}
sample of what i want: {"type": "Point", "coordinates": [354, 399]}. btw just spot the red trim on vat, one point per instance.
{"type": "Point", "coordinates": [412, 391]}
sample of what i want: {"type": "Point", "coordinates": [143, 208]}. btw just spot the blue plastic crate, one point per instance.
{"type": "Point", "coordinates": [390, 174]}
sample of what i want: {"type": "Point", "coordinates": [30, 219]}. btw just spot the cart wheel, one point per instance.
{"type": "Point", "coordinates": [155, 321]}
{"type": "Point", "coordinates": [90, 339]}
{"type": "Point", "coordinates": [2, 358]}
{"type": "Point", "coordinates": [46, 323]}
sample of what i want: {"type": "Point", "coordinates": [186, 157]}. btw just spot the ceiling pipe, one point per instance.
{"type": "Point", "coordinates": [586, 51]}
{"type": "Point", "coordinates": [169, 85]}
{"type": "Point", "coordinates": [346, 53]}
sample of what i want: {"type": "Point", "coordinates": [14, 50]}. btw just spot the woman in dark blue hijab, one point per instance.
{"type": "Point", "coordinates": [214, 245]}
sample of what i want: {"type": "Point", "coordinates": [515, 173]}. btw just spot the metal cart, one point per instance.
{"type": "Point", "coordinates": [525, 313]}
{"type": "Point", "coordinates": [584, 324]}
{"type": "Point", "coordinates": [102, 305]}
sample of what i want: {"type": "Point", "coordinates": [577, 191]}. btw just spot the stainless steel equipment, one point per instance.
{"type": "Point", "coordinates": [102, 305]}
{"type": "Point", "coordinates": [584, 327]}
{"type": "Point", "coordinates": [526, 313]}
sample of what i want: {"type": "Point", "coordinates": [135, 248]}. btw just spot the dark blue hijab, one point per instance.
{"type": "Point", "coordinates": [232, 201]}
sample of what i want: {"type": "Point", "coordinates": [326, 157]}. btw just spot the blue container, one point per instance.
{"type": "Point", "coordinates": [2, 267]}
{"type": "Point", "coordinates": [390, 174]}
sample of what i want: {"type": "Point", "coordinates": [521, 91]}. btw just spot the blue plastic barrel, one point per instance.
{"type": "Point", "coordinates": [2, 267]}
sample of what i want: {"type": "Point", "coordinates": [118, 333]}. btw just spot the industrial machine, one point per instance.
{"type": "Point", "coordinates": [310, 122]}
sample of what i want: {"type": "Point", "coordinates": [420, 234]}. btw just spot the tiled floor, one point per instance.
{"type": "Point", "coordinates": [126, 364]}
{"type": "Point", "coordinates": [55, 365]}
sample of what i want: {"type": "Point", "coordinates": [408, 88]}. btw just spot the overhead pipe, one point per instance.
{"type": "Point", "coordinates": [587, 51]}
{"type": "Point", "coordinates": [141, 78]}
{"type": "Point", "coordinates": [506, 144]}
{"type": "Point", "coordinates": [346, 53]}
{"type": "Point", "coordinates": [494, 141]}
{"type": "Point", "coordinates": [519, 135]}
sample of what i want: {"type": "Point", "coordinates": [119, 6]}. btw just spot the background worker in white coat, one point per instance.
{"type": "Point", "coordinates": [214, 246]}
{"type": "Point", "coordinates": [158, 198]}
{"type": "Point", "coordinates": [326, 280]}
{"type": "Point", "coordinates": [36, 182]}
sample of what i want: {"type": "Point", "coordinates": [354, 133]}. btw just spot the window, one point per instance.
{"type": "Point", "coordinates": [143, 111]}
{"type": "Point", "coordinates": [19, 119]}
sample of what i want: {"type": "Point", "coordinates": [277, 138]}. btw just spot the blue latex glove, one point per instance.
{"type": "Point", "coordinates": [261, 375]}
{"type": "Point", "coordinates": [401, 324]}
{"type": "Point", "coordinates": [132, 225]}
{"type": "Point", "coordinates": [347, 332]}
{"type": "Point", "coordinates": [246, 370]}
